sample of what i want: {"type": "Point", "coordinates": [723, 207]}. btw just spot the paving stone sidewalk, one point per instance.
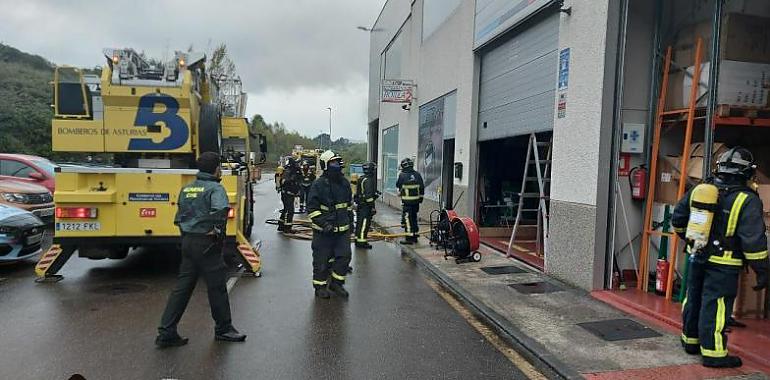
{"type": "Point", "coordinates": [558, 328]}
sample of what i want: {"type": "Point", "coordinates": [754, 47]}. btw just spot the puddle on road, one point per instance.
{"type": "Point", "coordinates": [120, 288]}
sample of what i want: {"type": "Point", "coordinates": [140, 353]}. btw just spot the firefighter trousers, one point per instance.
{"type": "Point", "coordinates": [363, 222]}
{"type": "Point", "coordinates": [287, 213]}
{"type": "Point", "coordinates": [303, 191]}
{"type": "Point", "coordinates": [409, 219]}
{"type": "Point", "coordinates": [201, 257]}
{"type": "Point", "coordinates": [331, 257]}
{"type": "Point", "coordinates": [711, 292]}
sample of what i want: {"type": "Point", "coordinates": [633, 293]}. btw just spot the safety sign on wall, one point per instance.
{"type": "Point", "coordinates": [561, 106]}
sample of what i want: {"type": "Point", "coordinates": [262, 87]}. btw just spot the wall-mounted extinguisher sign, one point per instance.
{"type": "Point", "coordinates": [624, 164]}
{"type": "Point", "coordinates": [638, 180]}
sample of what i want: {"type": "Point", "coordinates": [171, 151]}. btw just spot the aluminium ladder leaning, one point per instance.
{"type": "Point", "coordinates": [542, 178]}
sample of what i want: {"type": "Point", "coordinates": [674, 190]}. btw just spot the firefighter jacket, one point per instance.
{"type": "Point", "coordinates": [410, 187]}
{"type": "Point", "coordinates": [290, 182]}
{"type": "Point", "coordinates": [366, 191]}
{"type": "Point", "coordinates": [307, 178]}
{"type": "Point", "coordinates": [203, 206]}
{"type": "Point", "coordinates": [738, 230]}
{"type": "Point", "coordinates": [329, 204]}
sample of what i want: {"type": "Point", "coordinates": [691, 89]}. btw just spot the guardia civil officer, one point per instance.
{"type": "Point", "coordinates": [201, 217]}
{"type": "Point", "coordinates": [329, 207]}
{"type": "Point", "coordinates": [289, 192]}
{"type": "Point", "coordinates": [737, 236]}
{"type": "Point", "coordinates": [411, 189]}
{"type": "Point", "coordinates": [307, 176]}
{"type": "Point", "coordinates": [366, 194]}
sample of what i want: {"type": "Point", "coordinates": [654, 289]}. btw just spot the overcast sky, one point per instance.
{"type": "Point", "coordinates": [296, 57]}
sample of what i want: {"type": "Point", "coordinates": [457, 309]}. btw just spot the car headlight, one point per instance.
{"type": "Point", "coordinates": [15, 197]}
{"type": "Point", "coordinates": [7, 230]}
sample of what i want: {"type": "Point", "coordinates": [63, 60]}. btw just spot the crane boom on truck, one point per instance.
{"type": "Point", "coordinates": [155, 119]}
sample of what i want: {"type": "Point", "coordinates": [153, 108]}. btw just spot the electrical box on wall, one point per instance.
{"type": "Point", "coordinates": [459, 170]}
{"type": "Point", "coordinates": [633, 138]}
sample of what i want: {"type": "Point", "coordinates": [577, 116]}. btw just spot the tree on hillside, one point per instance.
{"type": "Point", "coordinates": [280, 142]}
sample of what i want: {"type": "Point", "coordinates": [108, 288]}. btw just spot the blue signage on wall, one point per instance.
{"type": "Point", "coordinates": [563, 69]}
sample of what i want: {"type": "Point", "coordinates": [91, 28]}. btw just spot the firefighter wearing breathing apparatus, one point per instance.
{"type": "Point", "coordinates": [411, 188]}
{"type": "Point", "coordinates": [723, 227]}
{"type": "Point", "coordinates": [307, 176]}
{"type": "Point", "coordinates": [366, 194]}
{"type": "Point", "coordinates": [330, 209]}
{"type": "Point", "coordinates": [289, 191]}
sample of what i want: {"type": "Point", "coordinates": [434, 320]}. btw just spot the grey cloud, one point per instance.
{"type": "Point", "coordinates": [281, 44]}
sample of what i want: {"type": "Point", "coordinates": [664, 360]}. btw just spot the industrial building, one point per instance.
{"type": "Point", "coordinates": [570, 122]}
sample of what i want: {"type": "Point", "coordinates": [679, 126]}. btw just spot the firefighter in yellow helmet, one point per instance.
{"type": "Point", "coordinates": [736, 236]}
{"type": "Point", "coordinates": [330, 209]}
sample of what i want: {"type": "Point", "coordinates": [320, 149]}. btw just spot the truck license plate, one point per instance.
{"type": "Point", "coordinates": [34, 239]}
{"type": "Point", "coordinates": [78, 226]}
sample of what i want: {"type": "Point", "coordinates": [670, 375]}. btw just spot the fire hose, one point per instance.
{"type": "Point", "coordinates": [303, 231]}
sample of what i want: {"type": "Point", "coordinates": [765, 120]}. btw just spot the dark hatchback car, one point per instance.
{"type": "Point", "coordinates": [21, 234]}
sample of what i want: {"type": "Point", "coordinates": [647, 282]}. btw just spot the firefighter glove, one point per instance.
{"type": "Point", "coordinates": [328, 228]}
{"type": "Point", "coordinates": [760, 268]}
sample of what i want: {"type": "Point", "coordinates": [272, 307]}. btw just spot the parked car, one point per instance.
{"type": "Point", "coordinates": [21, 234]}
{"type": "Point", "coordinates": [29, 169]}
{"type": "Point", "coordinates": [27, 196]}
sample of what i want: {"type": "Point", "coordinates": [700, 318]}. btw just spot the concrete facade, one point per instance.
{"type": "Point", "coordinates": [446, 61]}
{"type": "Point", "coordinates": [439, 64]}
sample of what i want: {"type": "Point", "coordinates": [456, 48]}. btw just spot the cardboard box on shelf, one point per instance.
{"type": "Point", "coordinates": [741, 84]}
{"type": "Point", "coordinates": [667, 184]}
{"type": "Point", "coordinates": [744, 38]}
{"type": "Point", "coordinates": [749, 303]}
{"type": "Point", "coordinates": [764, 195]}
{"type": "Point", "coordinates": [669, 169]}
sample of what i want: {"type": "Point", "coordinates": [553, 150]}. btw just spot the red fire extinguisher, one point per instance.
{"type": "Point", "coordinates": [638, 180]}
{"type": "Point", "coordinates": [661, 276]}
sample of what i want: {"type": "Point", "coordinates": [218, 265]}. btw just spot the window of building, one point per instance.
{"type": "Point", "coordinates": [392, 58]}
{"type": "Point", "coordinates": [434, 13]}
{"type": "Point", "coordinates": [390, 159]}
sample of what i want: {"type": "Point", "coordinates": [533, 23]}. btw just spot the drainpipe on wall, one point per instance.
{"type": "Point", "coordinates": [716, 35]}
{"type": "Point", "coordinates": [617, 127]}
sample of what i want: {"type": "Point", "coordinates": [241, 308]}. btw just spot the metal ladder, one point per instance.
{"type": "Point", "coordinates": [542, 178]}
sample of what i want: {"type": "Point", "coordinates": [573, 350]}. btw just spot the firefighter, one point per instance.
{"type": "Point", "coordinates": [366, 194]}
{"type": "Point", "coordinates": [330, 210]}
{"type": "Point", "coordinates": [277, 177]}
{"type": "Point", "coordinates": [307, 177]}
{"type": "Point", "coordinates": [736, 236]}
{"type": "Point", "coordinates": [201, 217]}
{"type": "Point", "coordinates": [289, 191]}
{"type": "Point", "coordinates": [411, 189]}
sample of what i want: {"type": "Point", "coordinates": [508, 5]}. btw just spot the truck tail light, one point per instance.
{"type": "Point", "coordinates": [231, 212]}
{"type": "Point", "coordinates": [76, 212]}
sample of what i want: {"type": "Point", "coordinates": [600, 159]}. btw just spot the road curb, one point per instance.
{"type": "Point", "coordinates": [530, 349]}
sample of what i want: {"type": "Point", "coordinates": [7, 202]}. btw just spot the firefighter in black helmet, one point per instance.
{"type": "Point", "coordinates": [330, 209]}
{"type": "Point", "coordinates": [289, 191]}
{"type": "Point", "coordinates": [737, 236]}
{"type": "Point", "coordinates": [366, 194]}
{"type": "Point", "coordinates": [411, 189]}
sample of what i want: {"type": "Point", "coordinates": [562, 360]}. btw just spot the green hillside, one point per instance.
{"type": "Point", "coordinates": [25, 98]}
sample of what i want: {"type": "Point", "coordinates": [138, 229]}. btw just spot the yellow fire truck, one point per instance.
{"type": "Point", "coordinates": [155, 120]}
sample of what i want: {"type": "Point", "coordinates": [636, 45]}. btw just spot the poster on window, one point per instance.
{"type": "Point", "coordinates": [430, 146]}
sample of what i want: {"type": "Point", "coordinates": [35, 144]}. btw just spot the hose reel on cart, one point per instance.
{"type": "Point", "coordinates": [457, 236]}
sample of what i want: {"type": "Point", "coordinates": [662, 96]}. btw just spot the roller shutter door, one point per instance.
{"type": "Point", "coordinates": [517, 87]}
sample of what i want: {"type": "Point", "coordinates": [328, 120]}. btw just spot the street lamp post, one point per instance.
{"type": "Point", "coordinates": [330, 126]}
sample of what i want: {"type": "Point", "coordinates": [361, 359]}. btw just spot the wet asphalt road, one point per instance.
{"type": "Point", "coordinates": [100, 321]}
